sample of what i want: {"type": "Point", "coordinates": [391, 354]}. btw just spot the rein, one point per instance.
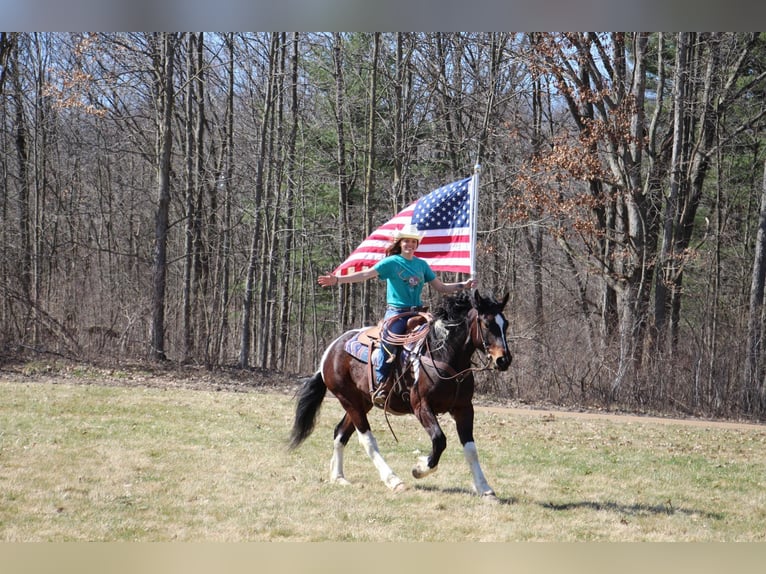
{"type": "Point", "coordinates": [476, 337]}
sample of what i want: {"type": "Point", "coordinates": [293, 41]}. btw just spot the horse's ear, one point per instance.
{"type": "Point", "coordinates": [505, 300]}
{"type": "Point", "coordinates": [476, 299]}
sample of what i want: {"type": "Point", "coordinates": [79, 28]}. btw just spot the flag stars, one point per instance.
{"type": "Point", "coordinates": [447, 207]}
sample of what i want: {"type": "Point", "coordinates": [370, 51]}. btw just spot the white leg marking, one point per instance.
{"type": "Point", "coordinates": [336, 464]}
{"type": "Point", "coordinates": [370, 445]}
{"type": "Point", "coordinates": [480, 485]}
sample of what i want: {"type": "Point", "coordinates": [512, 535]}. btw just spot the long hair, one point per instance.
{"type": "Point", "coordinates": [394, 248]}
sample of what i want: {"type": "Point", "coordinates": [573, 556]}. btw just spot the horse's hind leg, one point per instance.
{"type": "Point", "coordinates": [342, 433]}
{"type": "Point", "coordinates": [356, 418]}
{"type": "Point", "coordinates": [367, 440]}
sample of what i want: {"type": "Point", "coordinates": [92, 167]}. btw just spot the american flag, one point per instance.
{"type": "Point", "coordinates": [444, 217]}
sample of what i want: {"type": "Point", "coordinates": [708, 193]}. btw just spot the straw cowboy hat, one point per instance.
{"type": "Point", "coordinates": [409, 231]}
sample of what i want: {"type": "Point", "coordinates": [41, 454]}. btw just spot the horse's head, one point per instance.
{"type": "Point", "coordinates": [488, 331]}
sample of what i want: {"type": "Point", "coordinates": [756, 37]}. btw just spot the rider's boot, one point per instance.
{"type": "Point", "coordinates": [383, 382]}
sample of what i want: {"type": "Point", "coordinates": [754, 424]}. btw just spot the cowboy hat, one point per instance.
{"type": "Point", "coordinates": [409, 231]}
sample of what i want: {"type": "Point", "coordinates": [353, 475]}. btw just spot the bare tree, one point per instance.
{"type": "Point", "coordinates": [754, 397]}
{"type": "Point", "coordinates": [291, 176]}
{"type": "Point", "coordinates": [369, 178]}
{"type": "Point", "coordinates": [164, 60]}
{"type": "Point", "coordinates": [257, 231]}
{"type": "Point", "coordinates": [342, 173]}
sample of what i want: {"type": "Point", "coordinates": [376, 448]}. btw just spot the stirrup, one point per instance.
{"type": "Point", "coordinates": [380, 394]}
{"type": "Point", "coordinates": [379, 398]}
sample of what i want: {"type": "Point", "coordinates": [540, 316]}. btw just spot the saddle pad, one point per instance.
{"type": "Point", "coordinates": [357, 348]}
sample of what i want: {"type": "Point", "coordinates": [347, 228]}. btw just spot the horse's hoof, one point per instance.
{"type": "Point", "coordinates": [490, 498]}
{"type": "Point", "coordinates": [401, 487]}
{"type": "Point", "coordinates": [341, 481]}
{"type": "Point", "coordinates": [421, 469]}
{"type": "Point", "coordinates": [394, 483]}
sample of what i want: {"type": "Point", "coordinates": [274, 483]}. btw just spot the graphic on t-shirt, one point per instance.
{"type": "Point", "coordinates": [413, 281]}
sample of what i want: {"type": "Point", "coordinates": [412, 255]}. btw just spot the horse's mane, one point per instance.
{"type": "Point", "coordinates": [449, 315]}
{"type": "Point", "coordinates": [453, 308]}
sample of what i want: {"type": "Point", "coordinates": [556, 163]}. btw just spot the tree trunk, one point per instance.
{"type": "Point", "coordinates": [271, 330]}
{"type": "Point", "coordinates": [290, 174]}
{"type": "Point", "coordinates": [201, 250]}
{"type": "Point", "coordinates": [703, 144]}
{"type": "Point", "coordinates": [665, 267]}
{"type": "Point", "coordinates": [753, 384]}
{"type": "Point", "coordinates": [164, 73]}
{"type": "Point", "coordinates": [533, 233]}
{"type": "Point", "coordinates": [22, 157]}
{"type": "Point", "coordinates": [398, 160]}
{"type": "Point", "coordinates": [228, 170]}
{"type": "Point", "coordinates": [189, 202]}
{"type": "Point", "coordinates": [369, 183]}
{"type": "Point", "coordinates": [343, 223]}
{"type": "Point", "coordinates": [447, 103]}
{"type": "Point", "coordinates": [256, 239]}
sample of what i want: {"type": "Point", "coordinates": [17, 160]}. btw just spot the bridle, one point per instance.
{"type": "Point", "coordinates": [478, 336]}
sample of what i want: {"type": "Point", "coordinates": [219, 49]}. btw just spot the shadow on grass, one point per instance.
{"type": "Point", "coordinates": [630, 509]}
{"type": "Point", "coordinates": [461, 491]}
{"type": "Point", "coordinates": [610, 506]}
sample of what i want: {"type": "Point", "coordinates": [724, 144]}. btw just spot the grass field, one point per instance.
{"type": "Point", "coordinates": [110, 463]}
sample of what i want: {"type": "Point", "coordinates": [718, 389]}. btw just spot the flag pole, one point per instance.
{"type": "Point", "coordinates": [474, 215]}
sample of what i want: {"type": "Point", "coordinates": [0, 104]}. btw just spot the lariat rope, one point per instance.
{"type": "Point", "coordinates": [411, 338]}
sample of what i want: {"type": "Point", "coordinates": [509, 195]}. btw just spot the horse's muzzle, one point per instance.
{"type": "Point", "coordinates": [502, 363]}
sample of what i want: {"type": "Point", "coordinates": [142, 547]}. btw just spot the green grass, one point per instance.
{"type": "Point", "coordinates": [104, 463]}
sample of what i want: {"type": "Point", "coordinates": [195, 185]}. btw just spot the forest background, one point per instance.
{"type": "Point", "coordinates": [172, 197]}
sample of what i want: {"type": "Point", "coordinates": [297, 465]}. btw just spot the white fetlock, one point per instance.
{"type": "Point", "coordinates": [480, 485]}
{"type": "Point", "coordinates": [394, 482]}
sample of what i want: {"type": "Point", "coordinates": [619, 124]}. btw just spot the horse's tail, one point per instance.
{"type": "Point", "coordinates": [310, 397]}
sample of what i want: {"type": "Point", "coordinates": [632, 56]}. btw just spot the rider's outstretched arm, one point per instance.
{"type": "Point", "coordinates": [331, 280]}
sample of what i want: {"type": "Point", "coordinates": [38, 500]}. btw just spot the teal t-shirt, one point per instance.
{"type": "Point", "coordinates": [404, 279]}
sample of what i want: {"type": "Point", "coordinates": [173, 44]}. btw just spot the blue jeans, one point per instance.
{"type": "Point", "coordinates": [388, 350]}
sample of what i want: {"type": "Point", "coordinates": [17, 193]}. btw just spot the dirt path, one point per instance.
{"type": "Point", "coordinates": [552, 414]}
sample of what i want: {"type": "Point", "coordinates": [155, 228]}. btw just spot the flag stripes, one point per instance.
{"type": "Point", "coordinates": [443, 216]}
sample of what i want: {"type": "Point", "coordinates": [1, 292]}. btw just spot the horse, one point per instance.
{"type": "Point", "coordinates": [442, 382]}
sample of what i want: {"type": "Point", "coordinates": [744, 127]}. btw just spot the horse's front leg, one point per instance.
{"type": "Point", "coordinates": [464, 421]}
{"type": "Point", "coordinates": [427, 464]}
